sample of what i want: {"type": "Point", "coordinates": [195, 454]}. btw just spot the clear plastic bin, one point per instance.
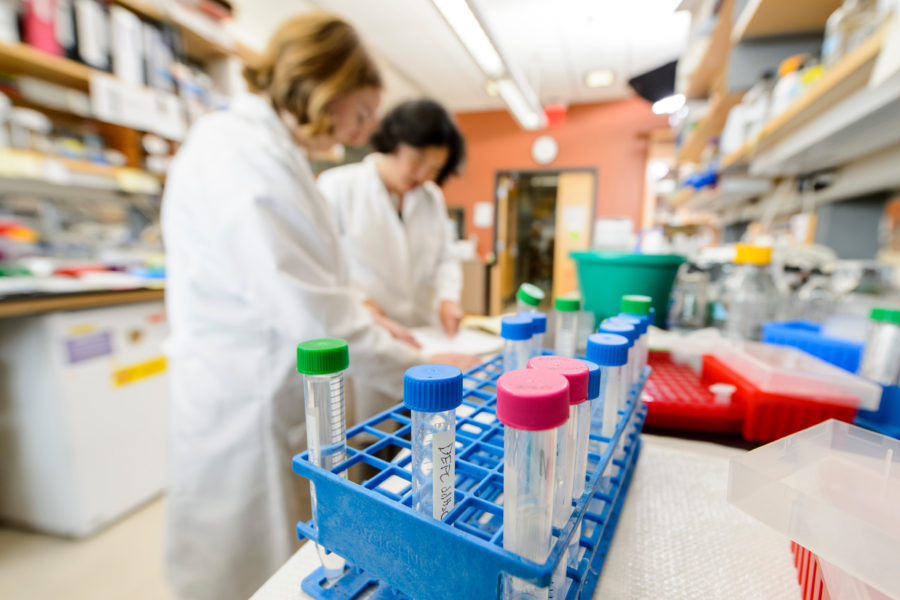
{"type": "Point", "coordinates": [834, 489]}
{"type": "Point", "coordinates": [785, 371]}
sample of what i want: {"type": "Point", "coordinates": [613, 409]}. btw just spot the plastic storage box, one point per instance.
{"type": "Point", "coordinates": [885, 420]}
{"type": "Point", "coordinates": [605, 276]}
{"type": "Point", "coordinates": [807, 336]}
{"type": "Point", "coordinates": [392, 547]}
{"type": "Point", "coordinates": [833, 489]}
{"type": "Point", "coordinates": [820, 580]}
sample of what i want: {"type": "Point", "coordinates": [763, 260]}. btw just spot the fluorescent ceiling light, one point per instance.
{"type": "Point", "coordinates": [490, 87]}
{"type": "Point", "coordinates": [473, 36]}
{"type": "Point", "coordinates": [529, 115]}
{"type": "Point", "coordinates": [599, 78]}
{"type": "Point", "coordinates": [668, 105]}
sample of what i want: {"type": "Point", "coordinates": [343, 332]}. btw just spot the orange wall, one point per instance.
{"type": "Point", "coordinates": [606, 137]}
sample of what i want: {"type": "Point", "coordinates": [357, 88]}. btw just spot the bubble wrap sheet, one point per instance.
{"type": "Point", "coordinates": [677, 538]}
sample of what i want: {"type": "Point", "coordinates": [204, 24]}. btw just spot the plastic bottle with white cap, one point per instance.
{"type": "Point", "coordinates": [516, 333]}
{"type": "Point", "coordinates": [432, 393]}
{"type": "Point", "coordinates": [611, 353]}
{"type": "Point", "coordinates": [578, 426]}
{"type": "Point", "coordinates": [322, 363]}
{"type": "Point", "coordinates": [533, 405]}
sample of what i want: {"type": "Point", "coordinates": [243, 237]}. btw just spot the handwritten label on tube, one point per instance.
{"type": "Point", "coordinates": [443, 456]}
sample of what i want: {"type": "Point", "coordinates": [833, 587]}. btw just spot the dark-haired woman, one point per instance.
{"type": "Point", "coordinates": [392, 219]}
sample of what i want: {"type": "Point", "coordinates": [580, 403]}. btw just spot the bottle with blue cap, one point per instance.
{"type": "Point", "coordinates": [583, 416]}
{"type": "Point", "coordinates": [432, 393]}
{"type": "Point", "coordinates": [566, 332]}
{"type": "Point", "coordinates": [629, 332]}
{"type": "Point", "coordinates": [322, 363]}
{"type": "Point", "coordinates": [539, 328]}
{"type": "Point", "coordinates": [516, 333]}
{"type": "Point", "coordinates": [610, 352]}
{"type": "Point", "coordinates": [640, 345]}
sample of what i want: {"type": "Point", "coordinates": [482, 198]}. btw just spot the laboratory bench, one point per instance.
{"type": "Point", "coordinates": [677, 536]}
{"type": "Point", "coordinates": [26, 305]}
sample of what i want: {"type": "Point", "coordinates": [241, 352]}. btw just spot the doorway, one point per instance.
{"type": "Point", "coordinates": [541, 217]}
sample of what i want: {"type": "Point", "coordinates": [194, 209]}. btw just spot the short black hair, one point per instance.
{"type": "Point", "coordinates": [421, 123]}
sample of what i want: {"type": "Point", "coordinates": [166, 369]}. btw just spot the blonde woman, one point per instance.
{"type": "Point", "coordinates": [254, 267]}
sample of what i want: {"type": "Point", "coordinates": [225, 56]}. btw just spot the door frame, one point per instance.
{"type": "Point", "coordinates": [536, 172]}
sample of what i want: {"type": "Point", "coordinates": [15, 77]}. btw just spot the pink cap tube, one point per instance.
{"type": "Point", "coordinates": [532, 400]}
{"type": "Point", "coordinates": [572, 369]}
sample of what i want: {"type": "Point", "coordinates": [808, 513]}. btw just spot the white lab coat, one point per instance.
{"type": "Point", "coordinates": [404, 265]}
{"type": "Point", "coordinates": [254, 267]}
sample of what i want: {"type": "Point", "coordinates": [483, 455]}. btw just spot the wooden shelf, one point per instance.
{"type": "Point", "coordinates": [17, 307]}
{"type": "Point", "coordinates": [22, 59]}
{"type": "Point", "coordinates": [847, 78]}
{"type": "Point", "coordinates": [710, 126]}
{"type": "Point", "coordinates": [715, 58]}
{"type": "Point", "coordinates": [57, 170]}
{"type": "Point", "coordinates": [765, 18]}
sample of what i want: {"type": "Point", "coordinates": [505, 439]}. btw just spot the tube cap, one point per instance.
{"type": "Point", "coordinates": [626, 330]}
{"type": "Point", "coordinates": [516, 328]}
{"type": "Point", "coordinates": [885, 315]}
{"type": "Point", "coordinates": [532, 399]}
{"type": "Point", "coordinates": [607, 349]}
{"type": "Point", "coordinates": [323, 356]}
{"type": "Point", "coordinates": [530, 294]}
{"type": "Point", "coordinates": [747, 254]}
{"type": "Point", "coordinates": [572, 369]}
{"type": "Point", "coordinates": [593, 379]}
{"type": "Point", "coordinates": [567, 304]}
{"type": "Point", "coordinates": [539, 322]}
{"type": "Point", "coordinates": [634, 304]}
{"type": "Point", "coordinates": [638, 321]}
{"type": "Point", "coordinates": [432, 388]}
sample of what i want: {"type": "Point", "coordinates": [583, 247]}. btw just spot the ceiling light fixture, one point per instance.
{"type": "Point", "coordinates": [668, 105]}
{"type": "Point", "coordinates": [599, 78]}
{"type": "Point", "coordinates": [518, 95]}
{"type": "Point", "coordinates": [490, 87]}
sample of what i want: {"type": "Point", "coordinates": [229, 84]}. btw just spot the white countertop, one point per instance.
{"type": "Point", "coordinates": [677, 537]}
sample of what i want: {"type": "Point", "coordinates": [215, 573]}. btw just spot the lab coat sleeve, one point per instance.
{"type": "Point", "coordinates": [329, 185]}
{"type": "Point", "coordinates": [285, 252]}
{"type": "Point", "coordinates": [448, 275]}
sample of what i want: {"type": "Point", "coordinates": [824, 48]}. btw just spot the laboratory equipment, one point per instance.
{"type": "Point", "coordinates": [690, 298]}
{"type": "Point", "coordinates": [640, 306]}
{"type": "Point", "coordinates": [534, 406]}
{"type": "Point", "coordinates": [640, 324]}
{"type": "Point", "coordinates": [566, 325]}
{"type": "Point", "coordinates": [722, 392]}
{"type": "Point", "coordinates": [881, 358]}
{"type": "Point", "coordinates": [539, 329]}
{"type": "Point", "coordinates": [811, 338]}
{"type": "Point", "coordinates": [629, 371]}
{"type": "Point", "coordinates": [432, 393]}
{"type": "Point", "coordinates": [572, 445]}
{"type": "Point", "coordinates": [848, 27]}
{"type": "Point", "coordinates": [529, 297]}
{"type": "Point", "coordinates": [833, 489]}
{"type": "Point", "coordinates": [582, 446]}
{"type": "Point", "coordinates": [750, 296]}
{"type": "Point", "coordinates": [322, 363]}
{"type": "Point", "coordinates": [372, 523]}
{"type": "Point", "coordinates": [606, 276]}
{"type": "Point", "coordinates": [516, 333]}
{"type": "Point", "coordinates": [610, 351]}
{"type": "Point", "coordinates": [29, 129]}
{"type": "Point", "coordinates": [84, 412]}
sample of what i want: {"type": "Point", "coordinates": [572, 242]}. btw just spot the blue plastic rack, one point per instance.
{"type": "Point", "coordinates": [396, 553]}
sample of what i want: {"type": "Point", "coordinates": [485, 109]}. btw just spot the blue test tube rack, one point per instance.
{"type": "Point", "coordinates": [402, 554]}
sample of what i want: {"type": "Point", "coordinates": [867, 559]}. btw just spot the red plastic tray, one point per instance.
{"type": "Point", "coordinates": [769, 416]}
{"type": "Point", "coordinates": [676, 398]}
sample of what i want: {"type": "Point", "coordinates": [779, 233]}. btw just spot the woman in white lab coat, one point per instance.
{"type": "Point", "coordinates": [255, 266]}
{"type": "Point", "coordinates": [393, 221]}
